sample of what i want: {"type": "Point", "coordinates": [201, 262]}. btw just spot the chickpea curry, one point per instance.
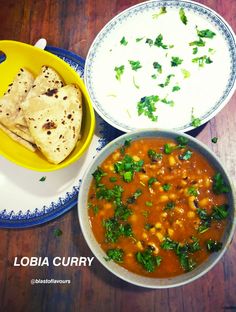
{"type": "Point", "coordinates": [157, 207]}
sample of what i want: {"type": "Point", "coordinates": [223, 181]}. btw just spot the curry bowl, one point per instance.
{"type": "Point", "coordinates": [157, 208]}
{"type": "Point", "coordinates": [20, 55]}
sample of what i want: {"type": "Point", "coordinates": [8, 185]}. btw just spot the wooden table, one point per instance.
{"type": "Point", "coordinates": [72, 25]}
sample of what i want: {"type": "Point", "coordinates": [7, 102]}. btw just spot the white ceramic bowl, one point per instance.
{"type": "Point", "coordinates": [117, 269]}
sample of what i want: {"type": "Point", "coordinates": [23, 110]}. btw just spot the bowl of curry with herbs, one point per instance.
{"type": "Point", "coordinates": [157, 208]}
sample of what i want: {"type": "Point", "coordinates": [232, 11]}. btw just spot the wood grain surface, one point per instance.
{"type": "Point", "coordinates": [72, 25]}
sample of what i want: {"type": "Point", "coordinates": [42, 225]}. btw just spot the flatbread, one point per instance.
{"type": "Point", "coordinates": [54, 120]}
{"type": "Point", "coordinates": [11, 115]}
{"type": "Point", "coordinates": [47, 80]}
{"type": "Point", "coordinates": [18, 139]}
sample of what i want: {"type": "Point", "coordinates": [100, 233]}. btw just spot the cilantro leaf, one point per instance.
{"type": "Point", "coordinates": [162, 11]}
{"type": "Point", "coordinates": [119, 71]}
{"type": "Point", "coordinates": [193, 191]}
{"type": "Point", "coordinates": [167, 81]}
{"type": "Point", "coordinates": [147, 106]}
{"type": "Point", "coordinates": [198, 43]}
{"type": "Point", "coordinates": [157, 66]}
{"type": "Point", "coordinates": [220, 212]}
{"type": "Point", "coordinates": [213, 246]}
{"type": "Point", "coordinates": [115, 254]}
{"type": "Point", "coordinates": [149, 41]}
{"type": "Point", "coordinates": [182, 16]}
{"type": "Point", "coordinates": [219, 185]}
{"type": "Point", "coordinates": [123, 41]}
{"type": "Point", "coordinates": [151, 181]}
{"type": "Point", "coordinates": [132, 199]}
{"type": "Point", "coordinates": [166, 187]}
{"type": "Point", "coordinates": [185, 73]}
{"type": "Point", "coordinates": [175, 88]}
{"type": "Point", "coordinates": [154, 156]}
{"type": "Point", "coordinates": [57, 232]}
{"type": "Point", "coordinates": [42, 179]}
{"type": "Point", "coordinates": [158, 42]}
{"type": "Point", "coordinates": [148, 261]}
{"type": "Point", "coordinates": [206, 33]}
{"type": "Point", "coordinates": [175, 61]}
{"type": "Point", "coordinates": [135, 65]}
{"type": "Point", "coordinates": [214, 140]}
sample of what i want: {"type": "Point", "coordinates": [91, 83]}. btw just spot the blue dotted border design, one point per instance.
{"type": "Point", "coordinates": [148, 6]}
{"type": "Point", "coordinates": [55, 209]}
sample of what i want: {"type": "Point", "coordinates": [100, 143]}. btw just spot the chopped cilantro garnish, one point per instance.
{"type": "Point", "coordinates": [42, 179]}
{"type": "Point", "coordinates": [157, 66]}
{"type": "Point", "coordinates": [202, 60]}
{"type": "Point", "coordinates": [213, 246]}
{"type": "Point", "coordinates": [198, 43]}
{"type": "Point", "coordinates": [168, 148]}
{"type": "Point", "coordinates": [132, 199]}
{"type": "Point", "coordinates": [122, 212]}
{"type": "Point", "coordinates": [214, 140]}
{"type": "Point", "coordinates": [114, 230]}
{"type": "Point", "coordinates": [208, 60]}
{"type": "Point", "coordinates": [206, 33]}
{"type": "Point", "coordinates": [115, 254]}
{"type": "Point", "coordinates": [195, 50]}
{"type": "Point", "coordinates": [210, 50]}
{"type": "Point", "coordinates": [219, 185]}
{"type": "Point", "coordinates": [146, 213]}
{"type": "Point", "coordinates": [147, 106]}
{"type": "Point", "coordinates": [149, 41]}
{"type": "Point", "coordinates": [139, 39]}
{"type": "Point", "coordinates": [127, 166]}
{"type": "Point", "coordinates": [220, 212]}
{"type": "Point", "coordinates": [123, 41]}
{"type": "Point", "coordinates": [195, 122]}
{"type": "Point", "coordinates": [135, 65]}
{"type": "Point", "coordinates": [193, 191]}
{"type": "Point", "coordinates": [187, 155]}
{"type": "Point", "coordinates": [182, 16]}
{"type": "Point", "coordinates": [175, 88]}
{"type": "Point", "coordinates": [183, 251]}
{"type": "Point", "coordinates": [175, 61]}
{"type": "Point", "coordinates": [126, 144]}
{"type": "Point", "coordinates": [151, 181]}
{"type": "Point", "coordinates": [158, 42]}
{"type": "Point", "coordinates": [148, 261]}
{"type": "Point", "coordinates": [57, 232]}
{"type": "Point", "coordinates": [185, 73]}
{"type": "Point", "coordinates": [154, 156]}
{"type": "Point", "coordinates": [98, 174]}
{"type": "Point", "coordinates": [154, 76]}
{"type": "Point", "coordinates": [168, 102]}
{"type": "Point", "coordinates": [119, 71]}
{"type": "Point", "coordinates": [148, 203]}
{"type": "Point", "coordinates": [166, 187]}
{"type": "Point", "coordinates": [170, 205]}
{"type": "Point", "coordinates": [162, 11]}
{"type": "Point", "coordinates": [128, 176]}
{"type": "Point", "coordinates": [167, 81]}
{"type": "Point", "coordinates": [182, 141]}
{"type": "Point", "coordinates": [113, 179]}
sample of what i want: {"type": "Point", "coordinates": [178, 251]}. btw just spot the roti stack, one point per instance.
{"type": "Point", "coordinates": [42, 113]}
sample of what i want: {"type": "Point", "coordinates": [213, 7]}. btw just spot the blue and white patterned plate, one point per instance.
{"type": "Point", "coordinates": [25, 200]}
{"type": "Point", "coordinates": [203, 90]}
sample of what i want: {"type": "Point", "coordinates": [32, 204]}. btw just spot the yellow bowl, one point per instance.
{"type": "Point", "coordinates": [23, 55]}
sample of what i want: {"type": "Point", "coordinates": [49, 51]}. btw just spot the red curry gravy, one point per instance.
{"type": "Point", "coordinates": [157, 207]}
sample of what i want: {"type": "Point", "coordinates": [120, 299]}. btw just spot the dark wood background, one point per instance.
{"type": "Point", "coordinates": [72, 25]}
